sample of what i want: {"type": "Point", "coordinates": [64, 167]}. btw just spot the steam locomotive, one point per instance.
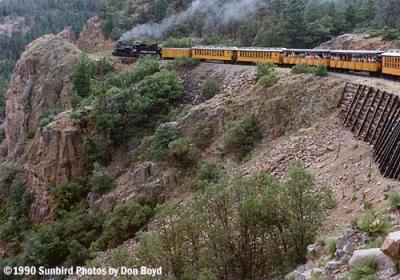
{"type": "Point", "coordinates": [136, 50]}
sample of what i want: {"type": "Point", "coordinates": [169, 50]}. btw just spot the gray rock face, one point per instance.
{"type": "Point", "coordinates": [382, 261]}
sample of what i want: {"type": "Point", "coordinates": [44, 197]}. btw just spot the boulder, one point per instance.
{"type": "Point", "coordinates": [382, 261]}
{"type": "Point", "coordinates": [391, 246]}
{"type": "Point", "coordinates": [333, 265]}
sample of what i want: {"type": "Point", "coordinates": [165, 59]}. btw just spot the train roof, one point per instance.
{"type": "Point", "coordinates": [395, 53]}
{"type": "Point", "coordinates": [171, 48]}
{"type": "Point", "coordinates": [307, 50]}
{"type": "Point", "coordinates": [370, 52]}
{"type": "Point", "coordinates": [263, 49]}
{"type": "Point", "coordinates": [215, 48]}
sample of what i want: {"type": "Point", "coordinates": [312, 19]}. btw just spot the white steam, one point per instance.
{"type": "Point", "coordinates": [215, 11]}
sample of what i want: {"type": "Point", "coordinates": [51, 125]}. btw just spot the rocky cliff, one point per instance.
{"type": "Point", "coordinates": [40, 82]}
{"type": "Point", "coordinates": [91, 39]}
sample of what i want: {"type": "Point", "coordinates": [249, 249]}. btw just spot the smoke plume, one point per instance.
{"type": "Point", "coordinates": [235, 10]}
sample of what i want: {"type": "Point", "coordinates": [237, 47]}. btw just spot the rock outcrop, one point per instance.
{"type": "Point", "coordinates": [358, 42]}
{"type": "Point", "coordinates": [91, 39]}
{"type": "Point", "coordinates": [40, 82]}
{"type": "Point", "coordinates": [56, 156]}
{"type": "Point", "coordinates": [295, 102]}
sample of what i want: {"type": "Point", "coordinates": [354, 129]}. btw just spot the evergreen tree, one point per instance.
{"type": "Point", "coordinates": [296, 28]}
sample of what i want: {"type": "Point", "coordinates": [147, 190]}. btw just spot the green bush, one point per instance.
{"type": "Point", "coordinates": [101, 181]}
{"type": "Point", "coordinates": [242, 136]}
{"type": "Point", "coordinates": [8, 173]}
{"type": "Point", "coordinates": [159, 90]}
{"type": "Point", "coordinates": [394, 200]}
{"type": "Point", "coordinates": [103, 66]}
{"type": "Point", "coordinates": [65, 241]}
{"type": "Point", "coordinates": [210, 88]}
{"type": "Point", "coordinates": [302, 69]}
{"type": "Point", "coordinates": [365, 271]}
{"type": "Point", "coordinates": [146, 66]}
{"type": "Point", "coordinates": [203, 134]}
{"type": "Point", "coordinates": [230, 228]}
{"type": "Point", "coordinates": [265, 69]}
{"type": "Point", "coordinates": [45, 119]}
{"type": "Point", "coordinates": [183, 62]}
{"type": "Point", "coordinates": [321, 71]}
{"type": "Point", "coordinates": [208, 172]}
{"type": "Point", "coordinates": [268, 80]}
{"type": "Point", "coordinates": [164, 135]}
{"type": "Point", "coordinates": [134, 111]}
{"type": "Point", "coordinates": [81, 77]}
{"type": "Point", "coordinates": [182, 153]}
{"type": "Point", "coordinates": [330, 246]}
{"type": "Point", "coordinates": [69, 195]}
{"type": "Point", "coordinates": [372, 224]}
{"type": "Point", "coordinates": [124, 221]}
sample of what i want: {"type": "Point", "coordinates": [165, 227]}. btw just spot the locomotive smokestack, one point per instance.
{"type": "Point", "coordinates": [213, 10]}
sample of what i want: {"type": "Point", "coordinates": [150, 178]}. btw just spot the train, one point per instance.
{"type": "Point", "coordinates": [377, 63]}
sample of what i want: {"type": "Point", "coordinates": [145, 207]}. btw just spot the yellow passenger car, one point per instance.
{"type": "Point", "coordinates": [172, 53]}
{"type": "Point", "coordinates": [314, 57]}
{"type": "Point", "coordinates": [214, 53]}
{"type": "Point", "coordinates": [391, 63]}
{"type": "Point", "coordinates": [255, 55]}
{"type": "Point", "coordinates": [366, 61]}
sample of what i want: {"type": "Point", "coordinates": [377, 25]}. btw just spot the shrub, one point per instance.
{"type": "Point", "coordinates": [124, 221]}
{"type": "Point", "coordinates": [19, 200]}
{"type": "Point", "coordinates": [330, 246]}
{"type": "Point", "coordinates": [183, 63]}
{"type": "Point", "coordinates": [210, 88]}
{"type": "Point", "coordinates": [103, 66]}
{"type": "Point", "coordinates": [372, 224]}
{"type": "Point", "coordinates": [64, 241]}
{"type": "Point", "coordinates": [101, 181]}
{"type": "Point", "coordinates": [265, 69]}
{"type": "Point", "coordinates": [302, 68]}
{"type": "Point", "coordinates": [182, 153]}
{"type": "Point", "coordinates": [366, 271]}
{"type": "Point", "coordinates": [321, 71]}
{"type": "Point", "coordinates": [146, 66]}
{"type": "Point", "coordinates": [159, 90]}
{"type": "Point", "coordinates": [376, 243]}
{"type": "Point", "coordinates": [164, 135]}
{"type": "Point", "coordinates": [394, 200]}
{"type": "Point", "coordinates": [242, 136]}
{"type": "Point", "coordinates": [208, 172]}
{"type": "Point", "coordinates": [97, 150]}
{"type": "Point", "coordinates": [45, 119]}
{"type": "Point", "coordinates": [229, 229]}
{"type": "Point", "coordinates": [268, 80]}
{"type": "Point", "coordinates": [8, 173]}
{"type": "Point", "coordinates": [203, 134]}
{"type": "Point", "coordinates": [68, 195]}
{"type": "Point", "coordinates": [81, 77]}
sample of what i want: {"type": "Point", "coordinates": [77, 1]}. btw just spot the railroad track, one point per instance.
{"type": "Point", "coordinates": [374, 116]}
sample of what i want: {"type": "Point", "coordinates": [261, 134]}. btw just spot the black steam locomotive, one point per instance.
{"type": "Point", "coordinates": [136, 49]}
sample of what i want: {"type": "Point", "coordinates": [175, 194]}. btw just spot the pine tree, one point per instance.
{"type": "Point", "coordinates": [296, 22]}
